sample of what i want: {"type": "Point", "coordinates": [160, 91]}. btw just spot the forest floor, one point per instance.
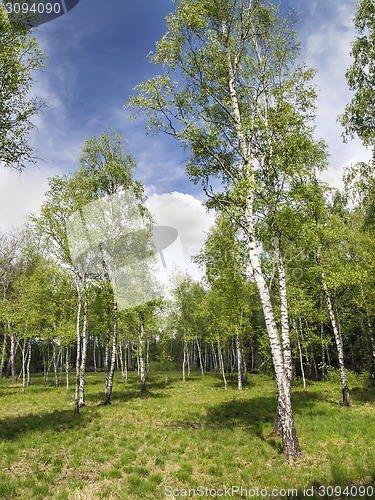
{"type": "Point", "coordinates": [180, 436]}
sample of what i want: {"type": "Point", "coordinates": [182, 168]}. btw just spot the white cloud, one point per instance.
{"type": "Point", "coordinates": [20, 195]}
{"type": "Point", "coordinates": [327, 34]}
{"type": "Point", "coordinates": [191, 219]}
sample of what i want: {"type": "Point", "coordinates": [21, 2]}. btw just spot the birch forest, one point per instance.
{"type": "Point", "coordinates": [266, 363]}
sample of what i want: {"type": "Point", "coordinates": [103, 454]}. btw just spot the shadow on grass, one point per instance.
{"type": "Point", "coordinates": [13, 428]}
{"type": "Point", "coordinates": [363, 395]}
{"type": "Point", "coordinates": [250, 414]}
{"type": "Point", "coordinates": [123, 393]}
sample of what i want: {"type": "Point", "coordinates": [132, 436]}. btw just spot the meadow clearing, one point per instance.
{"type": "Point", "coordinates": [179, 436]}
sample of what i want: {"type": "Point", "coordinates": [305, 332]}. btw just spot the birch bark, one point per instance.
{"type": "Point", "coordinates": [239, 362]}
{"type": "Point", "coordinates": [12, 358]}
{"type": "Point", "coordinates": [3, 351]}
{"type": "Point", "coordinates": [141, 354]}
{"type": "Point", "coordinates": [287, 352]}
{"type": "Point", "coordinates": [78, 356]}
{"type": "Point", "coordinates": [28, 362]}
{"type": "Point", "coordinates": [199, 355]}
{"type": "Point", "coordinates": [83, 356]}
{"type": "Point", "coordinates": [291, 448]}
{"type": "Point", "coordinates": [221, 364]}
{"type": "Point", "coordinates": [336, 333]}
{"type": "Point", "coordinates": [67, 369]}
{"type": "Point", "coordinates": [109, 385]}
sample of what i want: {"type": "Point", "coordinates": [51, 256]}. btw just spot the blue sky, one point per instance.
{"type": "Point", "coordinates": [97, 54]}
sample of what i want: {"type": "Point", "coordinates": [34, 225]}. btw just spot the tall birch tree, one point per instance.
{"type": "Point", "coordinates": [230, 77]}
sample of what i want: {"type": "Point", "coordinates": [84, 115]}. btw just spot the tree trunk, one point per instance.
{"type": "Point", "coordinates": [369, 324]}
{"type": "Point", "coordinates": [99, 355]}
{"type": "Point", "coordinates": [307, 357]}
{"type": "Point", "coordinates": [141, 353]}
{"type": "Point", "coordinates": [78, 357]}
{"type": "Point", "coordinates": [214, 357]}
{"type": "Point", "coordinates": [55, 362]}
{"type": "Point", "coordinates": [239, 362]}
{"type": "Point", "coordinates": [3, 351]}
{"type": "Point", "coordinates": [94, 355]}
{"type": "Point", "coordinates": [106, 360]}
{"type": "Point", "coordinates": [338, 339]}
{"type": "Point", "coordinates": [13, 357]}
{"type": "Point", "coordinates": [67, 370]}
{"type": "Point", "coordinates": [187, 359]}
{"type": "Point", "coordinates": [200, 356]}
{"type": "Point", "coordinates": [287, 352]}
{"type": "Point", "coordinates": [61, 357]}
{"type": "Point", "coordinates": [83, 356]}
{"type": "Point", "coordinates": [322, 342]}
{"type": "Point", "coordinates": [109, 386]}
{"type": "Point", "coordinates": [23, 349]}
{"type": "Point", "coordinates": [291, 448]}
{"type": "Point", "coordinates": [147, 357]}
{"type": "Point", "coordinates": [123, 362]}
{"type": "Point", "coordinates": [221, 364]}
{"type": "Point", "coordinates": [183, 361]}
{"type": "Point", "coordinates": [28, 362]}
{"type": "Point", "coordinates": [301, 362]}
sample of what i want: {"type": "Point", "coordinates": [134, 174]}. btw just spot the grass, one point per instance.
{"type": "Point", "coordinates": [181, 435]}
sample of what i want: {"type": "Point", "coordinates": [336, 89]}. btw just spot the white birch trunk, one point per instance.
{"type": "Point", "coordinates": [109, 387]}
{"type": "Point", "coordinates": [83, 356]}
{"type": "Point", "coordinates": [183, 361]}
{"type": "Point", "coordinates": [239, 362]}
{"type": "Point", "coordinates": [28, 362]}
{"type": "Point", "coordinates": [94, 354]}
{"type": "Point", "coordinates": [244, 364]}
{"type": "Point", "coordinates": [221, 364]}
{"type": "Point", "coordinates": [61, 358]}
{"type": "Point", "coordinates": [369, 325]}
{"type": "Point", "coordinates": [147, 357]}
{"type": "Point", "coordinates": [214, 357]}
{"type": "Point", "coordinates": [3, 351]}
{"type": "Point", "coordinates": [55, 361]}
{"type": "Point", "coordinates": [67, 370]}
{"type": "Point", "coordinates": [141, 354]}
{"type": "Point", "coordinates": [291, 447]}
{"type": "Point", "coordinates": [301, 362]}
{"type": "Point", "coordinates": [106, 359]}
{"type": "Point", "coordinates": [24, 364]}
{"type": "Point", "coordinates": [78, 357]}
{"type": "Point", "coordinates": [13, 356]}
{"type": "Point", "coordinates": [200, 356]}
{"type": "Point", "coordinates": [187, 359]}
{"type": "Point", "coordinates": [338, 339]}
{"type": "Point", "coordinates": [287, 352]}
{"type": "Point", "coordinates": [123, 362]}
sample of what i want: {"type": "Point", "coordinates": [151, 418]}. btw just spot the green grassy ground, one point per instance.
{"type": "Point", "coordinates": [178, 436]}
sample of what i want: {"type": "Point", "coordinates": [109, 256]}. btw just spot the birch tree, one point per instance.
{"type": "Point", "coordinates": [230, 74]}
{"type": "Point", "coordinates": [224, 260]}
{"type": "Point", "coordinates": [106, 170]}
{"type": "Point", "coordinates": [9, 270]}
{"type": "Point", "coordinates": [62, 200]}
{"type": "Point", "coordinates": [20, 57]}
